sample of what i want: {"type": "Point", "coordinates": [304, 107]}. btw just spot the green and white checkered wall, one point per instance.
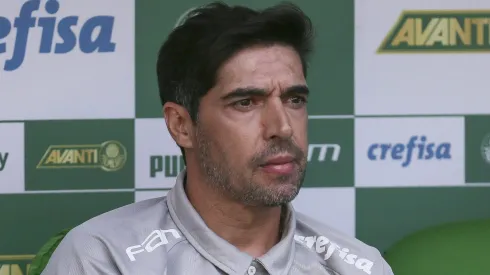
{"type": "Point", "coordinates": [399, 115]}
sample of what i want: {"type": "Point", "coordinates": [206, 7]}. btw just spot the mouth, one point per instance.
{"type": "Point", "coordinates": [283, 164]}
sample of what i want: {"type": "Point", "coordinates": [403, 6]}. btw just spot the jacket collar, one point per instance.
{"type": "Point", "coordinates": [221, 253]}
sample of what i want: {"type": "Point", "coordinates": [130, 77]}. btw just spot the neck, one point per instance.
{"type": "Point", "coordinates": [252, 229]}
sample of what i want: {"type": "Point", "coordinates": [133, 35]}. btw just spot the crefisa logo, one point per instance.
{"type": "Point", "coordinates": [418, 148]}
{"type": "Point", "coordinates": [59, 35]}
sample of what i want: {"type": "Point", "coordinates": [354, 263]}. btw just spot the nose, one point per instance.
{"type": "Point", "coordinates": [276, 121]}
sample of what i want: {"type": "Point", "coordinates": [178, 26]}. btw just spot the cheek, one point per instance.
{"type": "Point", "coordinates": [300, 129]}
{"type": "Point", "coordinates": [239, 142]}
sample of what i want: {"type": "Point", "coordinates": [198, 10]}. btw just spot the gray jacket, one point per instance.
{"type": "Point", "coordinates": [167, 236]}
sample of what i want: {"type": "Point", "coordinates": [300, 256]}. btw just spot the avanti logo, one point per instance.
{"type": "Point", "coordinates": [3, 160]}
{"type": "Point", "coordinates": [169, 165]}
{"type": "Point", "coordinates": [417, 148]}
{"type": "Point", "coordinates": [93, 35]}
{"type": "Point", "coordinates": [15, 264]}
{"type": "Point", "coordinates": [109, 156]}
{"type": "Point", "coordinates": [439, 31]}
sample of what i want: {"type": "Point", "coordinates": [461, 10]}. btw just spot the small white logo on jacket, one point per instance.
{"type": "Point", "coordinates": [155, 239]}
{"type": "Point", "coordinates": [321, 242]}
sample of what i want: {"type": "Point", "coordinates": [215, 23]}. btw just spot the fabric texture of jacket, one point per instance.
{"type": "Point", "coordinates": [167, 236]}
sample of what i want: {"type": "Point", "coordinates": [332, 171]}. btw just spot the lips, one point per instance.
{"type": "Point", "coordinates": [279, 165]}
{"type": "Point", "coordinates": [278, 160]}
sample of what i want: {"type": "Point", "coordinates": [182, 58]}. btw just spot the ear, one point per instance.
{"type": "Point", "coordinates": [179, 124]}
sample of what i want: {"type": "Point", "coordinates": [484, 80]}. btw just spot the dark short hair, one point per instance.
{"type": "Point", "coordinates": [188, 61]}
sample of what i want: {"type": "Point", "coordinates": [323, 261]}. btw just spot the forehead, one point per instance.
{"type": "Point", "coordinates": [268, 67]}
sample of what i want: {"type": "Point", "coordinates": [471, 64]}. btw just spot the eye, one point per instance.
{"type": "Point", "coordinates": [297, 101]}
{"type": "Point", "coordinates": [243, 104]}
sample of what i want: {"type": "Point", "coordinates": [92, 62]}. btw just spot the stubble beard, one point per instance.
{"type": "Point", "coordinates": [224, 179]}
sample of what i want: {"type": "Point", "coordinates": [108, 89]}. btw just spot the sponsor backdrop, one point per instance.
{"type": "Point", "coordinates": [399, 117]}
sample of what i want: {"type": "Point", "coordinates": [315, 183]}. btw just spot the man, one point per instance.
{"type": "Point", "coordinates": [232, 83]}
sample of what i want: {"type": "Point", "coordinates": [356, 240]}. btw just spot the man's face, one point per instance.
{"type": "Point", "coordinates": [252, 127]}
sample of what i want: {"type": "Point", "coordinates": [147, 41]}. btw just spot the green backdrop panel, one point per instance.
{"type": "Point", "coordinates": [385, 215]}
{"type": "Point", "coordinates": [331, 153]}
{"type": "Point", "coordinates": [29, 220]}
{"type": "Point", "coordinates": [477, 138]}
{"type": "Point", "coordinates": [79, 154]}
{"type": "Point", "coordinates": [331, 77]}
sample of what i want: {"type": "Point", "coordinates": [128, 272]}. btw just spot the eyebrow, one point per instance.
{"type": "Point", "coordinates": [252, 91]}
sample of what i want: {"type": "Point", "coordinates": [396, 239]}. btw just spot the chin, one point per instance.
{"type": "Point", "coordinates": [286, 192]}
{"type": "Point", "coordinates": [271, 194]}
{"type": "Point", "coordinates": [274, 189]}
{"type": "Point", "coordinates": [285, 180]}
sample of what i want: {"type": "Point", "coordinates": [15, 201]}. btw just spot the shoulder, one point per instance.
{"type": "Point", "coordinates": [131, 214]}
{"type": "Point", "coordinates": [109, 239]}
{"type": "Point", "coordinates": [128, 219]}
{"type": "Point", "coordinates": [338, 249]}
{"type": "Point", "coordinates": [122, 226]}
{"type": "Point", "coordinates": [307, 226]}
{"type": "Point", "coordinates": [77, 254]}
